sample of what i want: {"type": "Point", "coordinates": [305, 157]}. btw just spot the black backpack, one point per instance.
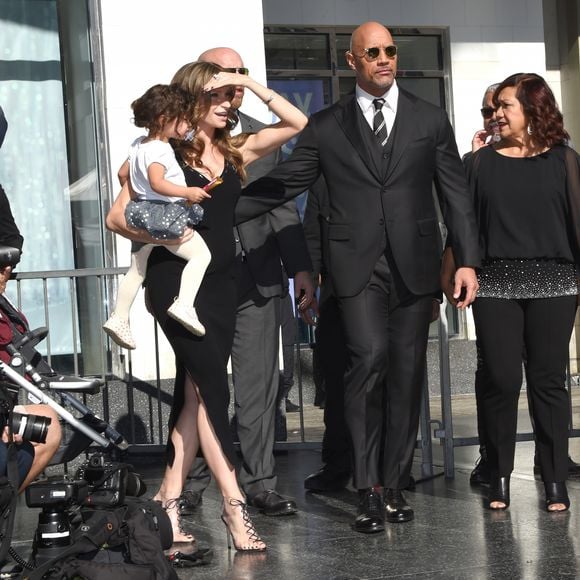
{"type": "Point", "coordinates": [125, 542]}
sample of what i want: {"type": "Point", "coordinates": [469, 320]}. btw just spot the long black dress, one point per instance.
{"type": "Point", "coordinates": [205, 358]}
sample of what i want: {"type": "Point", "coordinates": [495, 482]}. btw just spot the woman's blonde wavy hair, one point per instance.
{"type": "Point", "coordinates": [192, 77]}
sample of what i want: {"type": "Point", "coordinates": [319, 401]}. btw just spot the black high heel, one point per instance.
{"type": "Point", "coordinates": [556, 492]}
{"type": "Point", "coordinates": [499, 491]}
{"type": "Point", "coordinates": [253, 538]}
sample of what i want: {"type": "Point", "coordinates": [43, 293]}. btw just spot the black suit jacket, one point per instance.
{"type": "Point", "coordinates": [271, 239]}
{"type": "Point", "coordinates": [9, 233]}
{"type": "Point", "coordinates": [368, 203]}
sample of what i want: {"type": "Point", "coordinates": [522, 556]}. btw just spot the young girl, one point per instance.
{"type": "Point", "coordinates": [163, 206]}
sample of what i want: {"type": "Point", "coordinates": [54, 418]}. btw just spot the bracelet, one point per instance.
{"type": "Point", "coordinates": [270, 98]}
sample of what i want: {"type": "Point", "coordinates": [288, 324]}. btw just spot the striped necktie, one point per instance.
{"type": "Point", "coordinates": [379, 124]}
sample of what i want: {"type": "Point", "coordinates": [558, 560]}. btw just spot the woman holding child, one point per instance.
{"type": "Point", "coordinates": [200, 416]}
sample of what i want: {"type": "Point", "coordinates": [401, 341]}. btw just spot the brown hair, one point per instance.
{"type": "Point", "coordinates": [192, 77]}
{"type": "Point", "coordinates": [545, 120]}
{"type": "Point", "coordinates": [160, 105]}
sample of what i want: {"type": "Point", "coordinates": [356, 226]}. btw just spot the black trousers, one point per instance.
{"type": "Point", "coordinates": [542, 327]}
{"type": "Point", "coordinates": [332, 358]}
{"type": "Point", "coordinates": [480, 381]}
{"type": "Point", "coordinates": [386, 332]}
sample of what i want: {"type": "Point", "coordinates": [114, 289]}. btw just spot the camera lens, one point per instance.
{"type": "Point", "coordinates": [32, 428]}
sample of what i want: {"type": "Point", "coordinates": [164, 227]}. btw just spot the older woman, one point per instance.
{"type": "Point", "coordinates": [200, 416]}
{"type": "Point", "coordinates": [526, 195]}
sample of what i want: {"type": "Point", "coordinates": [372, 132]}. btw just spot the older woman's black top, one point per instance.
{"type": "Point", "coordinates": [522, 206]}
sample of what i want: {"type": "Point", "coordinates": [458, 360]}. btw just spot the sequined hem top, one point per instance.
{"type": "Point", "coordinates": [516, 279]}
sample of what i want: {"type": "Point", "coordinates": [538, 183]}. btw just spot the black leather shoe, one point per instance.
{"type": "Point", "coordinates": [188, 502]}
{"type": "Point", "coordinates": [397, 510]}
{"type": "Point", "coordinates": [291, 407]}
{"type": "Point", "coordinates": [556, 493]}
{"type": "Point", "coordinates": [499, 491]}
{"type": "Point", "coordinates": [573, 468]}
{"type": "Point", "coordinates": [327, 479]}
{"type": "Point", "coordinates": [481, 472]}
{"type": "Point", "coordinates": [271, 503]}
{"type": "Point", "coordinates": [369, 519]}
{"type": "Point", "coordinates": [180, 559]}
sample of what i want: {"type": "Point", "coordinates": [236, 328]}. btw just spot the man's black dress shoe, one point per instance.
{"type": "Point", "coordinates": [271, 503]}
{"type": "Point", "coordinates": [369, 519]}
{"type": "Point", "coordinates": [188, 502]}
{"type": "Point", "coordinates": [573, 468]}
{"type": "Point", "coordinates": [481, 472]}
{"type": "Point", "coordinates": [397, 510]}
{"type": "Point", "coordinates": [327, 479]}
{"type": "Point", "coordinates": [291, 407]}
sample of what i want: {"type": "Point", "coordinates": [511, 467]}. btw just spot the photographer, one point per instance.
{"type": "Point", "coordinates": [32, 457]}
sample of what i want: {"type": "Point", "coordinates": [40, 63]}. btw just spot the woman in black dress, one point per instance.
{"type": "Point", "coordinates": [200, 415]}
{"type": "Point", "coordinates": [526, 194]}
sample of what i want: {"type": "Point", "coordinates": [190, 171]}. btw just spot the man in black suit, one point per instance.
{"type": "Point", "coordinates": [330, 351]}
{"type": "Point", "coordinates": [263, 245]}
{"type": "Point", "coordinates": [380, 150]}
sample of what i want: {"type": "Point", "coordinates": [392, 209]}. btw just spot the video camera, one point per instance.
{"type": "Point", "coordinates": [9, 256]}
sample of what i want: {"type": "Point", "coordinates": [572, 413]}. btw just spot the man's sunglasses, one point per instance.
{"type": "Point", "coordinates": [487, 112]}
{"type": "Point", "coordinates": [241, 70]}
{"type": "Point", "coordinates": [373, 52]}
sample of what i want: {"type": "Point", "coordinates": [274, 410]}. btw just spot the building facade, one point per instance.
{"type": "Point", "coordinates": [69, 70]}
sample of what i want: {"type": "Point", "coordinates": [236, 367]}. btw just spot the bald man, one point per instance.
{"type": "Point", "coordinates": [263, 246]}
{"type": "Point", "coordinates": [381, 150]}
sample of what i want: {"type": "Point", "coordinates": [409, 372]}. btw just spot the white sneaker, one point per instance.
{"type": "Point", "coordinates": [119, 330]}
{"type": "Point", "coordinates": [187, 316]}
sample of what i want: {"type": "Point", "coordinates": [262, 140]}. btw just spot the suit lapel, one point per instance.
{"type": "Point", "coordinates": [246, 123]}
{"type": "Point", "coordinates": [347, 116]}
{"type": "Point", "coordinates": [406, 123]}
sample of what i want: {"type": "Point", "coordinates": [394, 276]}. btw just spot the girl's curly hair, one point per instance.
{"type": "Point", "coordinates": [160, 105]}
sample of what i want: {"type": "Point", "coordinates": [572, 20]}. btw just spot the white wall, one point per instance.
{"type": "Point", "coordinates": [145, 42]}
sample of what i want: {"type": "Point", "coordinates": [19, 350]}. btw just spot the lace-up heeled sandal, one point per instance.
{"type": "Point", "coordinates": [253, 542]}
{"type": "Point", "coordinates": [171, 507]}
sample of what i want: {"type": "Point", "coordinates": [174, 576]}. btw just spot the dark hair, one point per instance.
{"type": "Point", "coordinates": [193, 77]}
{"type": "Point", "coordinates": [546, 123]}
{"type": "Point", "coordinates": [168, 101]}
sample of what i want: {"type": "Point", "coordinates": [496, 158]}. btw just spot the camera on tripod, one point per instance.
{"type": "Point", "coordinates": [108, 481]}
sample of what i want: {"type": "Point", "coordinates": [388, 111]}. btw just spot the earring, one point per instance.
{"type": "Point", "coordinates": [529, 129]}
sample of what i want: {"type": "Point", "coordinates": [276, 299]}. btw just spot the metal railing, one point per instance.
{"type": "Point", "coordinates": [139, 408]}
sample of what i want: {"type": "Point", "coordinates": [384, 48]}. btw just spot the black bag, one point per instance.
{"type": "Point", "coordinates": [125, 542]}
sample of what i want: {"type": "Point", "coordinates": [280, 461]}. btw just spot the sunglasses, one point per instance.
{"type": "Point", "coordinates": [487, 112]}
{"type": "Point", "coordinates": [241, 70]}
{"type": "Point", "coordinates": [373, 52]}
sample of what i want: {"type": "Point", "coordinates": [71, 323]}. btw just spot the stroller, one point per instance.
{"type": "Point", "coordinates": [22, 366]}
